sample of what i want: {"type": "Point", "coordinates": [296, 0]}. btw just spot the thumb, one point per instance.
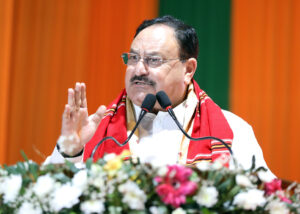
{"type": "Point", "coordinates": [97, 117]}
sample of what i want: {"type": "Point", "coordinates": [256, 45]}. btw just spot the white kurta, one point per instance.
{"type": "Point", "coordinates": [160, 140]}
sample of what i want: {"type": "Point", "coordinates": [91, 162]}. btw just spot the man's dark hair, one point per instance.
{"type": "Point", "coordinates": [185, 34]}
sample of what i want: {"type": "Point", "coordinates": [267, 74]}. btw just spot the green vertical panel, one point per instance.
{"type": "Point", "coordinates": [211, 19]}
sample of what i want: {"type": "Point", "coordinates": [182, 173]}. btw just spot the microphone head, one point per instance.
{"type": "Point", "coordinates": [148, 102]}
{"type": "Point", "coordinates": [163, 100]}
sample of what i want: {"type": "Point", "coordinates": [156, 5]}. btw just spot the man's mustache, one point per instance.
{"type": "Point", "coordinates": [145, 79]}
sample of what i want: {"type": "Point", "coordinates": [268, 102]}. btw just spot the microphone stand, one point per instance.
{"type": "Point", "coordinates": [172, 114]}
{"type": "Point", "coordinates": [165, 102]}
{"type": "Point", "coordinates": [147, 106]}
{"type": "Point", "coordinates": [142, 114]}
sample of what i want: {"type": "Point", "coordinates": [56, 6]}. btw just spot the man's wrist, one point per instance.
{"type": "Point", "coordinates": [68, 156]}
{"type": "Point", "coordinates": [69, 146]}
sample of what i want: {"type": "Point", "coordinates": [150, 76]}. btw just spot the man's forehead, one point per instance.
{"type": "Point", "coordinates": [145, 52]}
{"type": "Point", "coordinates": [154, 40]}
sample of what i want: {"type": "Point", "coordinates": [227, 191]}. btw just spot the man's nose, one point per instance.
{"type": "Point", "coordinates": [141, 68]}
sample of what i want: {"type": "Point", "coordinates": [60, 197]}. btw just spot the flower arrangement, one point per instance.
{"type": "Point", "coordinates": [112, 185]}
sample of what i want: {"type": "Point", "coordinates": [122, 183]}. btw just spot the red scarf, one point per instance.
{"type": "Point", "coordinates": [208, 121]}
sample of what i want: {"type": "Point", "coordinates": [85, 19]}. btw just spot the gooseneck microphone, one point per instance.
{"type": "Point", "coordinates": [146, 107]}
{"type": "Point", "coordinates": [165, 102]}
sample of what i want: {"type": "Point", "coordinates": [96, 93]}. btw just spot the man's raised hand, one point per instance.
{"type": "Point", "coordinates": [77, 127]}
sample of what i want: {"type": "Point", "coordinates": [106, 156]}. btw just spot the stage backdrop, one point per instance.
{"type": "Point", "coordinates": [248, 63]}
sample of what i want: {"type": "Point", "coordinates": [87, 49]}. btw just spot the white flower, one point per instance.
{"type": "Point", "coordinates": [217, 165]}
{"type": "Point", "coordinates": [221, 161]}
{"type": "Point", "coordinates": [95, 170]}
{"type": "Point", "coordinates": [111, 186]}
{"type": "Point", "coordinates": [250, 200]}
{"type": "Point", "coordinates": [158, 210]}
{"type": "Point", "coordinates": [154, 210]}
{"type": "Point", "coordinates": [203, 165]}
{"type": "Point", "coordinates": [3, 172]}
{"type": "Point", "coordinates": [29, 208]}
{"type": "Point", "coordinates": [134, 197]}
{"type": "Point", "coordinates": [80, 165]}
{"type": "Point", "coordinates": [207, 196]}
{"type": "Point", "coordinates": [109, 157]}
{"type": "Point", "coordinates": [264, 176]}
{"type": "Point", "coordinates": [80, 179]}
{"type": "Point", "coordinates": [97, 177]}
{"type": "Point", "coordinates": [43, 186]}
{"type": "Point", "coordinates": [277, 207]}
{"type": "Point", "coordinates": [243, 180]}
{"type": "Point", "coordinates": [98, 182]}
{"type": "Point", "coordinates": [10, 187]}
{"type": "Point", "coordinates": [162, 171]}
{"type": "Point", "coordinates": [121, 176]}
{"type": "Point", "coordinates": [179, 211]}
{"type": "Point", "coordinates": [92, 206]}
{"type": "Point", "coordinates": [65, 197]}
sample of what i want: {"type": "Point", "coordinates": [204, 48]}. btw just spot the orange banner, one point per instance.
{"type": "Point", "coordinates": [265, 78]}
{"type": "Point", "coordinates": [49, 45]}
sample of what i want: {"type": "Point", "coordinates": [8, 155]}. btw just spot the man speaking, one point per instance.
{"type": "Point", "coordinates": [162, 57]}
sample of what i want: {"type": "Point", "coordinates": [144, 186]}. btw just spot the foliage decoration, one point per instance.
{"type": "Point", "coordinates": [113, 185]}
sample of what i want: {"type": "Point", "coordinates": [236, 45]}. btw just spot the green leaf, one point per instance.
{"type": "Point", "coordinates": [20, 168]}
{"type": "Point", "coordinates": [61, 177]}
{"type": "Point", "coordinates": [218, 178]}
{"type": "Point", "coordinates": [24, 155]}
{"type": "Point", "coordinates": [204, 210]}
{"type": "Point", "coordinates": [34, 170]}
{"type": "Point", "coordinates": [261, 168]}
{"type": "Point", "coordinates": [225, 185]}
{"type": "Point", "coordinates": [49, 167]}
{"type": "Point", "coordinates": [211, 175]}
{"type": "Point", "coordinates": [253, 163]}
{"type": "Point", "coordinates": [233, 191]}
{"type": "Point", "coordinates": [71, 166]}
{"type": "Point", "coordinates": [114, 210]}
{"type": "Point", "coordinates": [89, 163]}
{"type": "Point", "coordinates": [137, 212]}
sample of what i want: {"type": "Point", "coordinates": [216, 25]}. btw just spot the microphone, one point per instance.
{"type": "Point", "coordinates": [165, 102]}
{"type": "Point", "coordinates": [146, 107]}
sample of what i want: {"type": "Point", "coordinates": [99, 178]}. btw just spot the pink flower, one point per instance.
{"type": "Point", "coordinates": [175, 186]}
{"type": "Point", "coordinates": [284, 199]}
{"type": "Point", "coordinates": [274, 187]}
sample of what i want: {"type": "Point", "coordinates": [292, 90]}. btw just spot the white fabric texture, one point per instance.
{"type": "Point", "coordinates": [160, 139]}
{"type": "Point", "coordinates": [162, 142]}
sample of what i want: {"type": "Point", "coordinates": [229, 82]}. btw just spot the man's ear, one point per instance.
{"type": "Point", "coordinates": [190, 69]}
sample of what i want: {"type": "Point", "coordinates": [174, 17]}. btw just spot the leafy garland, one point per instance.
{"type": "Point", "coordinates": [112, 185]}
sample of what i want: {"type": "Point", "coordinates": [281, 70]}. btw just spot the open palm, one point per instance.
{"type": "Point", "coordinates": [76, 122]}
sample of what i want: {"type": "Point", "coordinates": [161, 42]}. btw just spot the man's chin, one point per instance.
{"type": "Point", "coordinates": [137, 99]}
{"type": "Point", "coordinates": [157, 108]}
{"type": "Point", "coordinates": [138, 93]}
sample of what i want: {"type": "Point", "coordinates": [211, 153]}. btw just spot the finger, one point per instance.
{"type": "Point", "coordinates": [66, 129]}
{"type": "Point", "coordinates": [99, 114]}
{"type": "Point", "coordinates": [77, 96]}
{"type": "Point", "coordinates": [71, 100]}
{"type": "Point", "coordinates": [67, 112]}
{"type": "Point", "coordinates": [83, 96]}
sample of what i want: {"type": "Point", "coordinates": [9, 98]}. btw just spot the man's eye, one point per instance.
{"type": "Point", "coordinates": [133, 57]}
{"type": "Point", "coordinates": [153, 59]}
